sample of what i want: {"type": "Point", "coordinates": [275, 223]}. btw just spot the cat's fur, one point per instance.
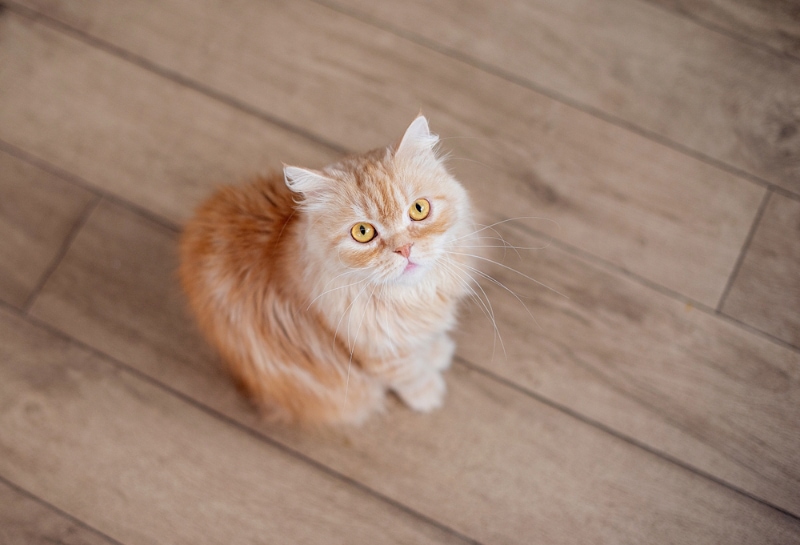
{"type": "Point", "coordinates": [315, 325]}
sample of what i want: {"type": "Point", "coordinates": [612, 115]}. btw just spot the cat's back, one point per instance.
{"type": "Point", "coordinates": [235, 240]}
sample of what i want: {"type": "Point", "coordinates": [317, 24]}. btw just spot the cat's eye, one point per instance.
{"type": "Point", "coordinates": [420, 209]}
{"type": "Point", "coordinates": [362, 232]}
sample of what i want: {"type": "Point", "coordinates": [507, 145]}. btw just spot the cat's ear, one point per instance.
{"type": "Point", "coordinates": [417, 139]}
{"type": "Point", "coordinates": [301, 180]}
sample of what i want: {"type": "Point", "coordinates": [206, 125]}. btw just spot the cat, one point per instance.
{"type": "Point", "coordinates": [325, 289]}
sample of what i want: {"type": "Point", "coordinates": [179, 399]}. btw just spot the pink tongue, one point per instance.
{"type": "Point", "coordinates": [410, 266]}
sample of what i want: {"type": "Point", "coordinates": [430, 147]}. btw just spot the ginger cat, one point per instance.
{"type": "Point", "coordinates": [324, 289]}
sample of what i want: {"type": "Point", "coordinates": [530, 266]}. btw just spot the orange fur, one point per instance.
{"type": "Point", "coordinates": [315, 326]}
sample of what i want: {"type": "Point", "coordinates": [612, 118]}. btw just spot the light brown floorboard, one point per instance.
{"type": "Point", "coordinates": [494, 464]}
{"type": "Point", "coordinates": [705, 91]}
{"type": "Point", "coordinates": [125, 130]}
{"type": "Point", "coordinates": [24, 521]}
{"type": "Point", "coordinates": [775, 23]}
{"type": "Point", "coordinates": [766, 293]}
{"type": "Point", "coordinates": [142, 466]}
{"type": "Point", "coordinates": [678, 379]}
{"type": "Point", "coordinates": [635, 203]}
{"type": "Point", "coordinates": [37, 213]}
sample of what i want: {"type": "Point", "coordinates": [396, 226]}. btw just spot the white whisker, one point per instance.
{"type": "Point", "coordinates": [483, 228]}
{"type": "Point", "coordinates": [487, 310]}
{"type": "Point", "coordinates": [334, 289]}
{"type": "Point", "coordinates": [509, 290]}
{"type": "Point", "coordinates": [512, 270]}
{"type": "Point", "coordinates": [508, 247]}
{"type": "Point", "coordinates": [353, 347]}
{"type": "Point", "coordinates": [339, 323]}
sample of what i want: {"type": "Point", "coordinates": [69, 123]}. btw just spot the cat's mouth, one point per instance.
{"type": "Point", "coordinates": [409, 273]}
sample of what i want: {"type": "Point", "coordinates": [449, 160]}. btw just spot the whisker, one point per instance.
{"type": "Point", "coordinates": [505, 243]}
{"type": "Point", "coordinates": [509, 246]}
{"type": "Point", "coordinates": [512, 270]}
{"type": "Point", "coordinates": [339, 323]}
{"type": "Point", "coordinates": [483, 228]}
{"type": "Point", "coordinates": [336, 288]}
{"type": "Point", "coordinates": [450, 156]}
{"type": "Point", "coordinates": [353, 347]}
{"type": "Point", "coordinates": [488, 310]}
{"type": "Point", "coordinates": [509, 290]}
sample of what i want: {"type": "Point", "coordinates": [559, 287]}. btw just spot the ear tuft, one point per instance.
{"type": "Point", "coordinates": [301, 180]}
{"type": "Point", "coordinates": [417, 139]}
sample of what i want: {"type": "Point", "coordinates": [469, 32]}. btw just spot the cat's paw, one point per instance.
{"type": "Point", "coordinates": [442, 356]}
{"type": "Point", "coordinates": [423, 394]}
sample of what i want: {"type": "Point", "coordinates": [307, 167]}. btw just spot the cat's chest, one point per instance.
{"type": "Point", "coordinates": [386, 326]}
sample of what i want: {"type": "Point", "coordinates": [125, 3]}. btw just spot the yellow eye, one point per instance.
{"type": "Point", "coordinates": [363, 232]}
{"type": "Point", "coordinates": [420, 209]}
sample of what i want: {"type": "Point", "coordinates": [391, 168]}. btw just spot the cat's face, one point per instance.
{"type": "Point", "coordinates": [387, 216]}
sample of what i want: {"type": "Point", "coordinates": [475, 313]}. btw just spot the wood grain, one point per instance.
{"type": "Point", "coordinates": [24, 521]}
{"type": "Point", "coordinates": [686, 383]}
{"type": "Point", "coordinates": [637, 204]}
{"type": "Point", "coordinates": [494, 464]}
{"type": "Point", "coordinates": [37, 212]}
{"type": "Point", "coordinates": [125, 130]}
{"type": "Point", "coordinates": [766, 293]}
{"type": "Point", "coordinates": [654, 69]}
{"type": "Point", "coordinates": [775, 23]}
{"type": "Point", "coordinates": [143, 466]}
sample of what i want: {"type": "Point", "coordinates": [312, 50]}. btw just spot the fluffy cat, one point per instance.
{"type": "Point", "coordinates": [324, 289]}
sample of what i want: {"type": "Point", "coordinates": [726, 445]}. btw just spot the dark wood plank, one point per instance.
{"type": "Point", "coordinates": [775, 23]}
{"type": "Point", "coordinates": [651, 68]}
{"type": "Point", "coordinates": [143, 466]}
{"type": "Point", "coordinates": [24, 521]}
{"type": "Point", "coordinates": [494, 464]}
{"type": "Point", "coordinates": [37, 212]}
{"type": "Point", "coordinates": [766, 293]}
{"type": "Point", "coordinates": [125, 130]}
{"type": "Point", "coordinates": [635, 203]}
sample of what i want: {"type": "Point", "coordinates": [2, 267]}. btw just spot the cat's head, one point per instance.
{"type": "Point", "coordinates": [390, 215]}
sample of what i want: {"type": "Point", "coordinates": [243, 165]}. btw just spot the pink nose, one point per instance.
{"type": "Point", "coordinates": [404, 250]}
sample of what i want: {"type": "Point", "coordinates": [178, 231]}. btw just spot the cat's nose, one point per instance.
{"type": "Point", "coordinates": [404, 250]}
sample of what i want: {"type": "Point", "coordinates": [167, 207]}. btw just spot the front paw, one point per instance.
{"type": "Point", "coordinates": [423, 394]}
{"type": "Point", "coordinates": [442, 355]}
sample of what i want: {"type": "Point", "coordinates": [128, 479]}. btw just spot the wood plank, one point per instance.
{"type": "Point", "coordinates": [493, 464]}
{"type": "Point", "coordinates": [37, 212]}
{"type": "Point", "coordinates": [680, 380]}
{"type": "Point", "coordinates": [125, 130]}
{"type": "Point", "coordinates": [766, 292]}
{"type": "Point", "coordinates": [24, 521]}
{"type": "Point", "coordinates": [143, 466]}
{"type": "Point", "coordinates": [776, 24]}
{"type": "Point", "coordinates": [651, 68]}
{"type": "Point", "coordinates": [635, 203]}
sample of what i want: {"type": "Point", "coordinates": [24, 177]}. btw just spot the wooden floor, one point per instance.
{"type": "Point", "coordinates": [654, 399]}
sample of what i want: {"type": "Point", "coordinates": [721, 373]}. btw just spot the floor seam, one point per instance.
{"type": "Point", "coordinates": [46, 504]}
{"type": "Point", "coordinates": [556, 96]}
{"type": "Point", "coordinates": [623, 437]}
{"type": "Point", "coordinates": [625, 274]}
{"type": "Point", "coordinates": [230, 421]}
{"type": "Point", "coordinates": [728, 33]}
{"type": "Point", "coordinates": [487, 68]}
{"type": "Point", "coordinates": [74, 230]}
{"type": "Point", "coordinates": [170, 75]}
{"type": "Point", "coordinates": [77, 181]}
{"type": "Point", "coordinates": [350, 480]}
{"type": "Point", "coordinates": [751, 233]}
{"type": "Point", "coordinates": [596, 261]}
